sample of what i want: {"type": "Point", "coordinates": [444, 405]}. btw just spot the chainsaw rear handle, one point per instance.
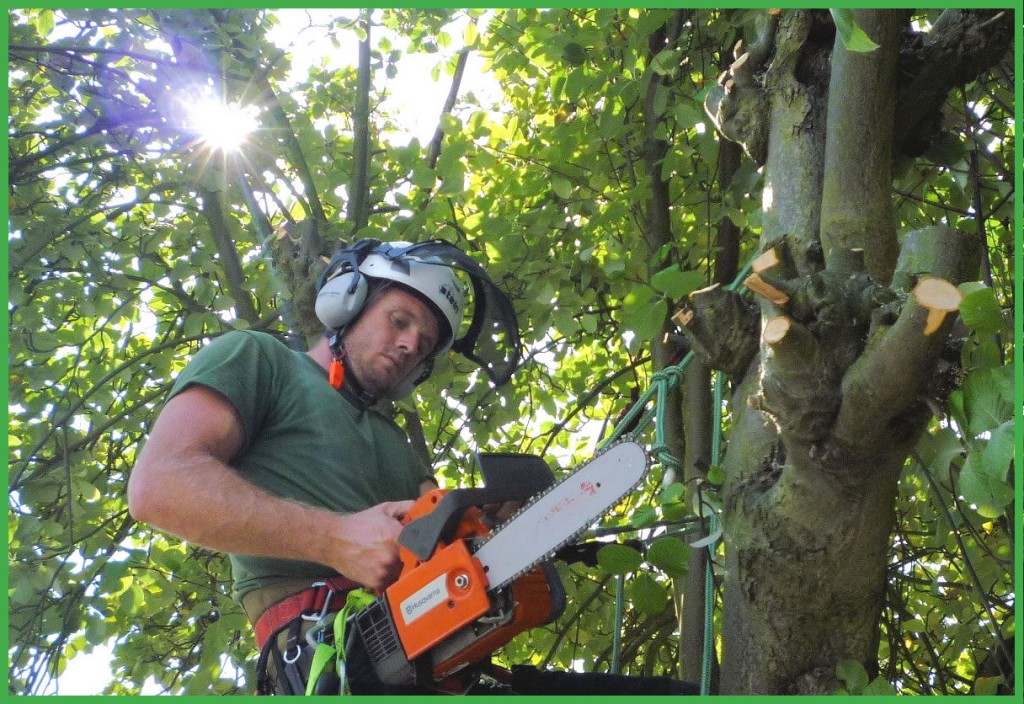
{"type": "Point", "coordinates": [507, 477]}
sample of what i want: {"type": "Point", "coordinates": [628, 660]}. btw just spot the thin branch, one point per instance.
{"type": "Point", "coordinates": [453, 92]}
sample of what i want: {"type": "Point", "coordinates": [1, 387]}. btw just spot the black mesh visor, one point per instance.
{"type": "Point", "coordinates": [492, 338]}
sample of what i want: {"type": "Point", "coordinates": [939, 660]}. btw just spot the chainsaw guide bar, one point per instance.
{"type": "Point", "coordinates": [556, 516]}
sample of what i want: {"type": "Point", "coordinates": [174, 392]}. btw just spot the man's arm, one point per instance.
{"type": "Point", "coordinates": [183, 485]}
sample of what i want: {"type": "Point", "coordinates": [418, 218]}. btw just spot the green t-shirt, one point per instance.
{"type": "Point", "coordinates": [303, 440]}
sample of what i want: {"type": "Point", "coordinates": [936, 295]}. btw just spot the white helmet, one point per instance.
{"type": "Point", "coordinates": [427, 269]}
{"type": "Point", "coordinates": [343, 294]}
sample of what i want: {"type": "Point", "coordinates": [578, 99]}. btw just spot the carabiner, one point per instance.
{"type": "Point", "coordinates": [315, 634]}
{"type": "Point", "coordinates": [298, 652]}
{"type": "Point", "coordinates": [326, 606]}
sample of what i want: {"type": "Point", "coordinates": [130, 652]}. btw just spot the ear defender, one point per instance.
{"type": "Point", "coordinates": [341, 298]}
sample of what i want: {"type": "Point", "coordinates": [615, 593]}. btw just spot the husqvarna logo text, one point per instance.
{"type": "Point", "coordinates": [424, 599]}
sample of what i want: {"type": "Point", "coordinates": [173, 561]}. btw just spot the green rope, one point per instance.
{"type": "Point", "coordinates": [662, 382]}
{"type": "Point", "coordinates": [709, 576]}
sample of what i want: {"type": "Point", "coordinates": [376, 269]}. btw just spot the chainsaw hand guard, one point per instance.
{"type": "Point", "coordinates": [507, 477]}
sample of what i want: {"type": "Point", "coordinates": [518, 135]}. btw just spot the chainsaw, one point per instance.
{"type": "Point", "coordinates": [467, 588]}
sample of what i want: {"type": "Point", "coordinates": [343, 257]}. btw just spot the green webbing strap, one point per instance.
{"type": "Point", "coordinates": [322, 656]}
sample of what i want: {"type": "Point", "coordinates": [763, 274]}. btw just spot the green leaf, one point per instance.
{"type": "Point", "coordinates": [644, 315]}
{"type": "Point", "coordinates": [673, 492]}
{"type": "Point", "coordinates": [879, 687]}
{"type": "Point", "coordinates": [574, 54]}
{"type": "Point", "coordinates": [981, 311]}
{"type": "Point", "coordinates": [852, 36]}
{"type": "Point", "coordinates": [988, 686]}
{"type": "Point", "coordinates": [988, 399]}
{"type": "Point", "coordinates": [561, 186]}
{"type": "Point", "coordinates": [423, 176]}
{"type": "Point", "coordinates": [688, 113]}
{"type": "Point", "coordinates": [939, 449]}
{"type": "Point", "coordinates": [716, 475]}
{"type": "Point", "coordinates": [643, 517]}
{"type": "Point", "coordinates": [985, 479]}
{"type": "Point", "coordinates": [946, 150]}
{"type": "Point", "coordinates": [618, 559]}
{"type": "Point", "coordinates": [671, 555]}
{"type": "Point", "coordinates": [450, 125]}
{"type": "Point", "coordinates": [44, 22]}
{"type": "Point", "coordinates": [853, 674]}
{"type": "Point", "coordinates": [665, 62]}
{"type": "Point", "coordinates": [999, 450]}
{"type": "Point", "coordinates": [674, 512]}
{"type": "Point", "coordinates": [647, 594]}
{"type": "Point", "coordinates": [471, 35]}
{"type": "Point", "coordinates": [982, 353]}
{"type": "Point", "coordinates": [676, 283]}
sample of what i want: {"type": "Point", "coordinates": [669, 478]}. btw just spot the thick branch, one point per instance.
{"type": "Point", "coordinates": [856, 204]}
{"type": "Point", "coordinates": [940, 298]}
{"type": "Point", "coordinates": [887, 380]}
{"type": "Point", "coordinates": [658, 230]}
{"type": "Point", "coordinates": [299, 269]}
{"type": "Point", "coordinates": [738, 105]}
{"type": "Point", "coordinates": [220, 226]}
{"type": "Point", "coordinates": [797, 387]}
{"type": "Point", "coordinates": [797, 82]}
{"type": "Point", "coordinates": [295, 155]}
{"type": "Point", "coordinates": [937, 250]}
{"type": "Point", "coordinates": [74, 50]}
{"type": "Point", "coordinates": [890, 375]}
{"type": "Point", "coordinates": [961, 46]}
{"type": "Point", "coordinates": [721, 327]}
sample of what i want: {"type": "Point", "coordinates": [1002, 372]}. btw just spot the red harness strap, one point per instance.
{"type": "Point", "coordinates": [322, 596]}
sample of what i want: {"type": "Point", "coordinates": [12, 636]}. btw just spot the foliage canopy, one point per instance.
{"type": "Point", "coordinates": [132, 243]}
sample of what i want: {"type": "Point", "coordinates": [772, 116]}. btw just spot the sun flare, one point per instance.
{"type": "Point", "coordinates": [222, 126]}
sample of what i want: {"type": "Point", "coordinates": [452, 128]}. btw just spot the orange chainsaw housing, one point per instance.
{"type": "Point", "coordinates": [438, 598]}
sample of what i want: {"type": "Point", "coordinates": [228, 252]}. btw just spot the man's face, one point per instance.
{"type": "Point", "coordinates": [395, 334]}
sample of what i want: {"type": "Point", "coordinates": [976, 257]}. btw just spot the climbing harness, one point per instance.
{"type": "Point", "coordinates": [282, 670]}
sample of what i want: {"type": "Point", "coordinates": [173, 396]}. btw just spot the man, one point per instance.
{"type": "Point", "coordinates": [280, 459]}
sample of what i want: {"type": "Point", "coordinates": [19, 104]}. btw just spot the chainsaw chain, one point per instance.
{"type": "Point", "coordinates": [540, 495]}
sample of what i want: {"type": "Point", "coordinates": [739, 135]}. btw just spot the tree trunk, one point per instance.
{"type": "Point", "coordinates": [827, 413]}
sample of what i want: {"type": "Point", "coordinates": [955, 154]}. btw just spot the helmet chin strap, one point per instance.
{"type": "Point", "coordinates": [337, 376]}
{"type": "Point", "coordinates": [336, 371]}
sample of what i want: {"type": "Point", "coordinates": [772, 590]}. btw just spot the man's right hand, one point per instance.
{"type": "Point", "coordinates": [363, 546]}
